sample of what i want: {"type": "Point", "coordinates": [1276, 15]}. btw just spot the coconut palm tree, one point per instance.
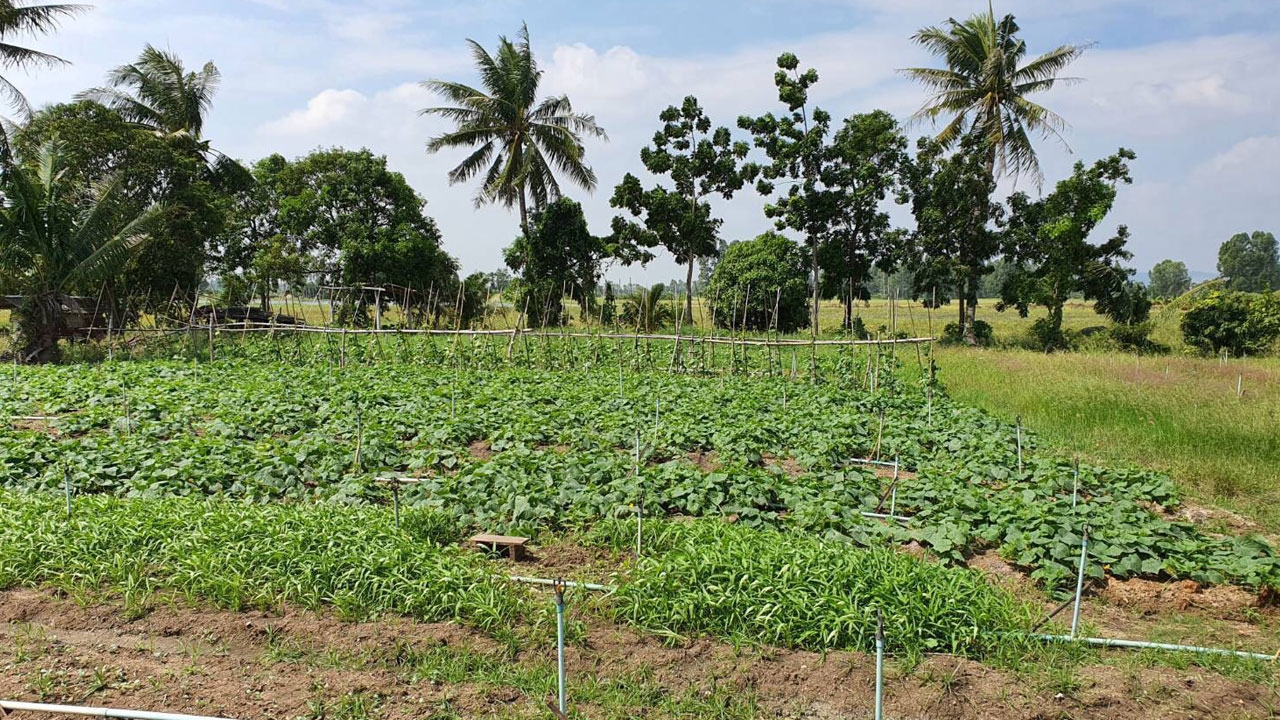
{"type": "Point", "coordinates": [17, 17]}
{"type": "Point", "coordinates": [52, 247]}
{"type": "Point", "coordinates": [519, 141]}
{"type": "Point", "coordinates": [156, 93]}
{"type": "Point", "coordinates": [645, 310]}
{"type": "Point", "coordinates": [984, 88]}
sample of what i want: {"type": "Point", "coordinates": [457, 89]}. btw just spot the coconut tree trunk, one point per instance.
{"type": "Point", "coordinates": [688, 292]}
{"type": "Point", "coordinates": [39, 324]}
{"type": "Point", "coordinates": [524, 214]}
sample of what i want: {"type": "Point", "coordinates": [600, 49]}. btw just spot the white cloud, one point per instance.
{"type": "Point", "coordinates": [1173, 88]}
{"type": "Point", "coordinates": [323, 111]}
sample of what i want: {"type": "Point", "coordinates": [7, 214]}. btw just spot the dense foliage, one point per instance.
{"type": "Point", "coordinates": [955, 236]}
{"type": "Point", "coordinates": [1250, 262]}
{"type": "Point", "coordinates": [523, 449]}
{"type": "Point", "coordinates": [345, 216]}
{"type": "Point", "coordinates": [55, 243]}
{"type": "Point", "coordinates": [701, 162]}
{"type": "Point", "coordinates": [558, 257]}
{"type": "Point", "coordinates": [1168, 279]}
{"type": "Point", "coordinates": [1048, 242]}
{"type": "Point", "coordinates": [760, 285]}
{"type": "Point", "coordinates": [1235, 322]}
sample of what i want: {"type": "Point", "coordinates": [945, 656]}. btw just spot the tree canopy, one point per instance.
{"type": "Point", "coordinates": [1169, 279]}
{"type": "Point", "coordinates": [868, 157]}
{"type": "Point", "coordinates": [985, 87]}
{"type": "Point", "coordinates": [956, 225]}
{"type": "Point", "coordinates": [701, 163]}
{"type": "Point", "coordinates": [796, 145]}
{"type": "Point", "coordinates": [520, 141]}
{"type": "Point", "coordinates": [1248, 262]}
{"type": "Point", "coordinates": [1048, 239]}
{"type": "Point", "coordinates": [760, 285]}
{"type": "Point", "coordinates": [55, 244]}
{"type": "Point", "coordinates": [559, 257]}
{"type": "Point", "coordinates": [341, 214]}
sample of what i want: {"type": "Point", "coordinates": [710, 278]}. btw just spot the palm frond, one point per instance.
{"type": "Point", "coordinates": [107, 257]}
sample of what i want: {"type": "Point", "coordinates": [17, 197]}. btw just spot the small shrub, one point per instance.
{"type": "Point", "coordinates": [1135, 337]}
{"type": "Point", "coordinates": [982, 333]}
{"type": "Point", "coordinates": [858, 329]}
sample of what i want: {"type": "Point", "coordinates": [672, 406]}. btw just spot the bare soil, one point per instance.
{"type": "Point", "coordinates": [197, 660]}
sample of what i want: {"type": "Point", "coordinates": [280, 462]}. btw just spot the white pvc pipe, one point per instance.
{"type": "Point", "coordinates": [567, 583]}
{"type": "Point", "coordinates": [1113, 642]}
{"type": "Point", "coordinates": [103, 712]}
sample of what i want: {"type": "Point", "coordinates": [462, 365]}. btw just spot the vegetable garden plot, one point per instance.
{"type": "Point", "coordinates": [557, 451]}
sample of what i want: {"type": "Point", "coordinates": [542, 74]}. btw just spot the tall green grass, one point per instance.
{"type": "Point", "coordinates": [1177, 414]}
{"type": "Point", "coordinates": [238, 555]}
{"type": "Point", "coordinates": [791, 589]}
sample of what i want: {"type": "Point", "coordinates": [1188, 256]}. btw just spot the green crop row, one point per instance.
{"type": "Point", "coordinates": [239, 555]}
{"type": "Point", "coordinates": [794, 590]}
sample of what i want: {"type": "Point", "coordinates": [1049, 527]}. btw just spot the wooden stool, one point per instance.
{"type": "Point", "coordinates": [512, 544]}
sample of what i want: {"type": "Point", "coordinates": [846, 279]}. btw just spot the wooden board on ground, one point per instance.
{"type": "Point", "coordinates": [514, 545]}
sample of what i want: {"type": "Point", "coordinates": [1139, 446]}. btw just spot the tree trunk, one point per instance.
{"type": "Point", "coordinates": [848, 307]}
{"type": "Point", "coordinates": [39, 325]}
{"type": "Point", "coordinates": [524, 216]}
{"type": "Point", "coordinates": [688, 293]}
{"type": "Point", "coordinates": [971, 312]}
{"type": "Point", "coordinates": [816, 306]}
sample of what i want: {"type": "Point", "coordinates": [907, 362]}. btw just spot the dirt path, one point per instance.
{"type": "Point", "coordinates": [307, 665]}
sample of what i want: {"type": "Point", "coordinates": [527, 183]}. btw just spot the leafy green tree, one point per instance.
{"type": "Point", "coordinates": [609, 307]}
{"type": "Point", "coordinates": [560, 257]}
{"type": "Point", "coordinates": [256, 249]}
{"type": "Point", "coordinates": [1236, 322]}
{"type": "Point", "coordinates": [1249, 262]}
{"type": "Point", "coordinates": [645, 311]}
{"type": "Point", "coordinates": [498, 280]}
{"type": "Point", "coordinates": [22, 19]}
{"type": "Point", "coordinates": [796, 145]}
{"type": "Point", "coordinates": [519, 140]}
{"type": "Point", "coordinates": [1168, 279]}
{"type": "Point", "coordinates": [985, 87]}
{"type": "Point", "coordinates": [954, 239]}
{"type": "Point", "coordinates": [97, 144]}
{"type": "Point", "coordinates": [1048, 240]}
{"type": "Point", "coordinates": [345, 214]}
{"type": "Point", "coordinates": [54, 245]}
{"type": "Point", "coordinates": [760, 285]}
{"type": "Point", "coordinates": [868, 155]}
{"type": "Point", "coordinates": [474, 300]}
{"type": "Point", "coordinates": [700, 162]}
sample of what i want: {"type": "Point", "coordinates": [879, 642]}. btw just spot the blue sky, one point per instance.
{"type": "Point", "coordinates": [1190, 85]}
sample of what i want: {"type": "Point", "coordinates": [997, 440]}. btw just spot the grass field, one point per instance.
{"type": "Point", "coordinates": [1177, 414]}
